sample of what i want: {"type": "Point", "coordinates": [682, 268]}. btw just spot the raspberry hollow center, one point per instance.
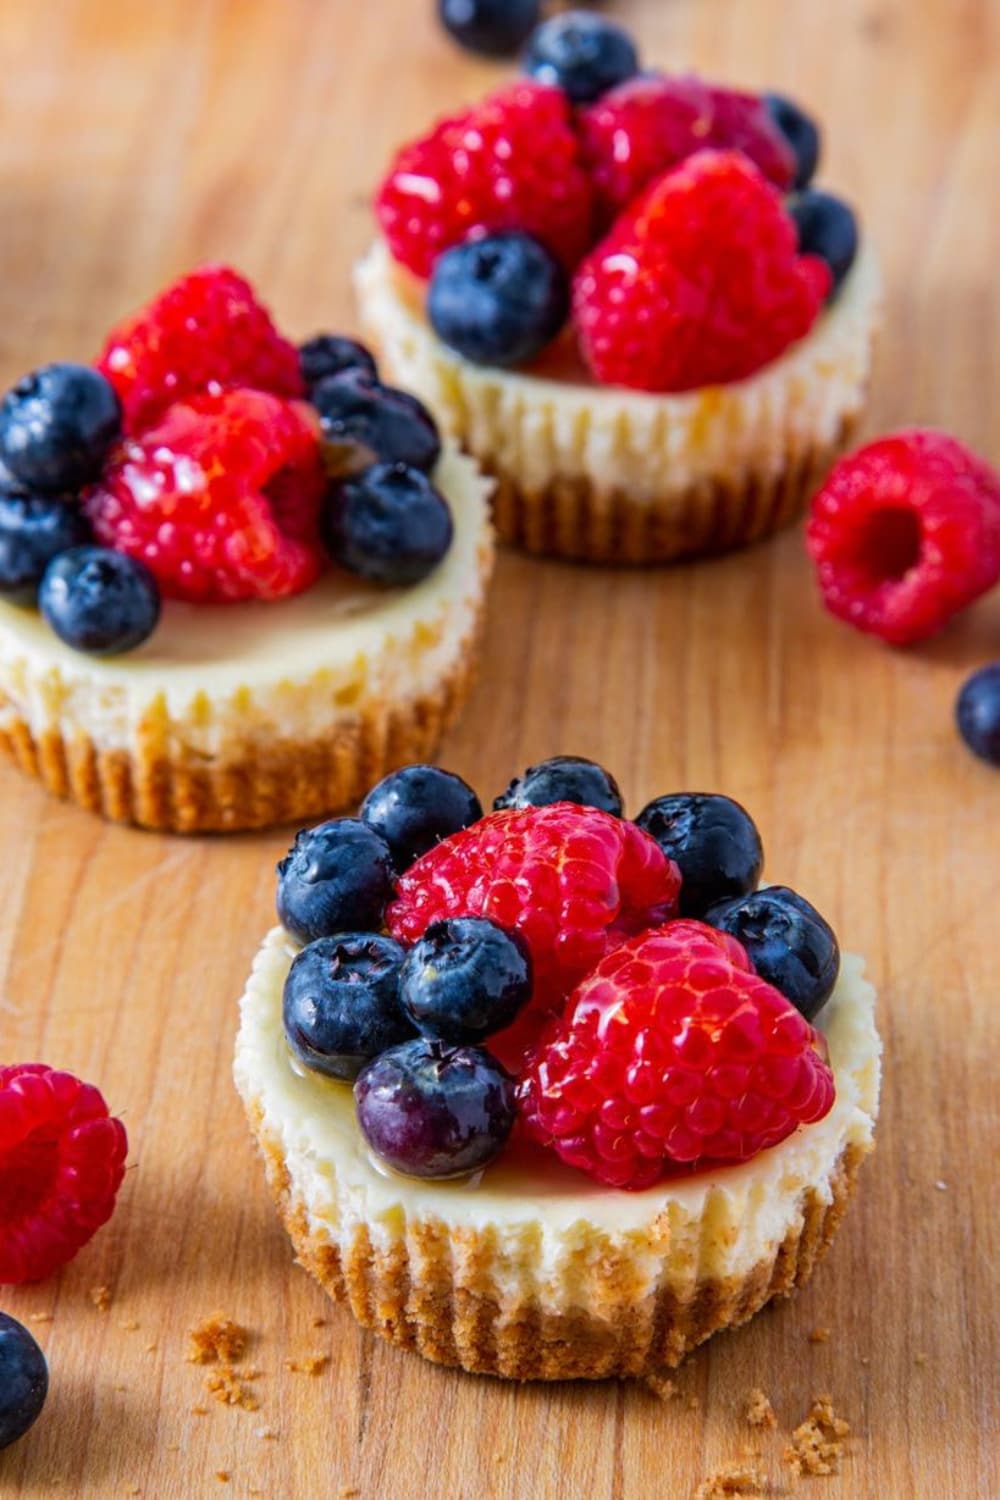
{"type": "Point", "coordinates": [28, 1174]}
{"type": "Point", "coordinates": [892, 544]}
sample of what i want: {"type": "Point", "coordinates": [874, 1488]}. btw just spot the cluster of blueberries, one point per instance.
{"type": "Point", "coordinates": [382, 519]}
{"type": "Point", "coordinates": [407, 1026]}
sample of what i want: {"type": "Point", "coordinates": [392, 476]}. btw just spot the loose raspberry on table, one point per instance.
{"type": "Point", "coordinates": [220, 499]}
{"type": "Point", "coordinates": [511, 162]}
{"type": "Point", "coordinates": [905, 533]}
{"type": "Point", "coordinates": [699, 282]}
{"type": "Point", "coordinates": [669, 1056]}
{"type": "Point", "coordinates": [205, 332]}
{"type": "Point", "coordinates": [62, 1160]}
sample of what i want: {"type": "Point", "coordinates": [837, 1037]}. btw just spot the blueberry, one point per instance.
{"type": "Point", "coordinates": [714, 842]}
{"type": "Point", "coordinates": [331, 354]}
{"type": "Point", "coordinates": [99, 601]}
{"type": "Point", "coordinates": [56, 426]}
{"type": "Point", "coordinates": [978, 713]}
{"type": "Point", "coordinates": [498, 301]}
{"type": "Point", "coordinates": [496, 27]}
{"type": "Point", "coordinates": [388, 524]}
{"type": "Point", "coordinates": [33, 530]}
{"type": "Point", "coordinates": [788, 942]}
{"type": "Point", "coordinates": [802, 134]}
{"type": "Point", "coordinates": [341, 1002]}
{"type": "Point", "coordinates": [564, 778]}
{"type": "Point", "coordinates": [392, 425]}
{"type": "Point", "coordinates": [466, 978]}
{"type": "Point", "coordinates": [337, 877]}
{"type": "Point", "coordinates": [24, 1380]}
{"type": "Point", "coordinates": [413, 809]}
{"type": "Point", "coordinates": [435, 1111]}
{"type": "Point", "coordinates": [581, 54]}
{"type": "Point", "coordinates": [827, 228]}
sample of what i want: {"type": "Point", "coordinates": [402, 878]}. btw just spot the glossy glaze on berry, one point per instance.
{"type": "Point", "coordinates": [98, 601]}
{"type": "Point", "coordinates": [331, 354]}
{"type": "Point", "coordinates": [496, 28]}
{"type": "Point", "coordinates": [392, 426]}
{"type": "Point", "coordinates": [24, 1380]}
{"type": "Point", "coordinates": [465, 979]}
{"type": "Point", "coordinates": [713, 841]}
{"type": "Point", "coordinates": [33, 530]}
{"type": "Point", "coordinates": [341, 1002]}
{"type": "Point", "coordinates": [415, 808]}
{"type": "Point", "coordinates": [564, 778]}
{"type": "Point", "coordinates": [582, 54]}
{"type": "Point", "coordinates": [389, 524]}
{"type": "Point", "coordinates": [977, 713]}
{"type": "Point", "coordinates": [828, 228]}
{"type": "Point", "coordinates": [788, 942]}
{"type": "Point", "coordinates": [337, 877]}
{"type": "Point", "coordinates": [802, 134]}
{"type": "Point", "coordinates": [57, 426]}
{"type": "Point", "coordinates": [499, 300]}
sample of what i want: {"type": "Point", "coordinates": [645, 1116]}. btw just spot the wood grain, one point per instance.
{"type": "Point", "coordinates": [139, 139]}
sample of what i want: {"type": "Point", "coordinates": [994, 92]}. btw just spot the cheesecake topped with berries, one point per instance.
{"type": "Point", "coordinates": [622, 293]}
{"type": "Point", "coordinates": [551, 1093]}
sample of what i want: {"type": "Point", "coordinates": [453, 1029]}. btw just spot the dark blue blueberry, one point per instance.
{"type": "Point", "coordinates": [331, 354]}
{"type": "Point", "coordinates": [413, 809]}
{"type": "Point", "coordinates": [827, 228]}
{"type": "Point", "coordinates": [496, 27]}
{"type": "Point", "coordinates": [33, 530]}
{"type": "Point", "coordinates": [336, 877]}
{"type": "Point", "coordinates": [99, 601]}
{"type": "Point", "coordinates": [393, 426]}
{"type": "Point", "coordinates": [714, 842]}
{"type": "Point", "coordinates": [435, 1111]}
{"type": "Point", "coordinates": [564, 778]}
{"type": "Point", "coordinates": [498, 301]}
{"type": "Point", "coordinates": [466, 978]}
{"type": "Point", "coordinates": [582, 54]}
{"type": "Point", "coordinates": [340, 1006]}
{"type": "Point", "coordinates": [24, 1380]}
{"type": "Point", "coordinates": [978, 713]}
{"type": "Point", "coordinates": [56, 426]}
{"type": "Point", "coordinates": [802, 134]}
{"type": "Point", "coordinates": [388, 524]}
{"type": "Point", "coordinates": [788, 942]}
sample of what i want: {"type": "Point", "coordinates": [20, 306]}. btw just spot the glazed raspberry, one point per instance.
{"type": "Point", "coordinates": [220, 499]}
{"type": "Point", "coordinates": [698, 283]}
{"type": "Point", "coordinates": [669, 1056]}
{"type": "Point", "coordinates": [62, 1159]}
{"type": "Point", "coordinates": [905, 533]}
{"type": "Point", "coordinates": [206, 332]}
{"type": "Point", "coordinates": [511, 162]}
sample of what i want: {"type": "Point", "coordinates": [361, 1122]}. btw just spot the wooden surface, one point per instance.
{"type": "Point", "coordinates": [139, 139]}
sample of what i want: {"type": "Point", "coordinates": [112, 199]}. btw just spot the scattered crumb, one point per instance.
{"type": "Point", "coordinates": [348, 1491]}
{"type": "Point", "coordinates": [129, 1325]}
{"type": "Point", "coordinates": [40, 1317]}
{"type": "Point", "coordinates": [662, 1386]}
{"type": "Point", "coordinates": [228, 1387]}
{"type": "Point", "coordinates": [732, 1479]}
{"type": "Point", "coordinates": [266, 1432]}
{"type": "Point", "coordinates": [319, 1322]}
{"type": "Point", "coordinates": [199, 1411]}
{"type": "Point", "coordinates": [312, 1364]}
{"type": "Point", "coordinates": [151, 1347]}
{"type": "Point", "coordinates": [759, 1411]}
{"type": "Point", "coordinates": [121, 1386]}
{"type": "Point", "coordinates": [100, 1296]}
{"type": "Point", "coordinates": [818, 1443]}
{"type": "Point", "coordinates": [173, 1447]}
{"type": "Point", "coordinates": [216, 1340]}
{"type": "Point", "coordinates": [819, 1335]}
{"type": "Point", "coordinates": [132, 1489]}
{"type": "Point", "coordinates": [865, 1360]}
{"type": "Point", "coordinates": [693, 1402]}
{"type": "Point", "coordinates": [920, 1359]}
{"type": "Point", "coordinates": [222, 1475]}
{"type": "Point", "coordinates": [942, 1187]}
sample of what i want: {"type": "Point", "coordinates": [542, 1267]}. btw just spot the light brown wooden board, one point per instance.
{"type": "Point", "coordinates": [137, 140]}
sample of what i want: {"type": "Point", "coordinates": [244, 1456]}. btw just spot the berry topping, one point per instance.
{"type": "Point", "coordinates": [336, 878]}
{"type": "Point", "coordinates": [582, 54]}
{"type": "Point", "coordinates": [668, 1056]}
{"type": "Point", "coordinates": [466, 978]}
{"type": "Point", "coordinates": [24, 1380]}
{"type": "Point", "coordinates": [713, 841]}
{"type": "Point", "coordinates": [206, 332]}
{"type": "Point", "coordinates": [498, 301]}
{"type": "Point", "coordinates": [56, 427]}
{"type": "Point", "coordinates": [572, 881]}
{"type": "Point", "coordinates": [905, 533]}
{"type": "Point", "coordinates": [415, 808]}
{"type": "Point", "coordinates": [221, 499]}
{"type": "Point", "coordinates": [99, 601]}
{"type": "Point", "coordinates": [511, 162]}
{"type": "Point", "coordinates": [341, 1002]}
{"type": "Point", "coordinates": [699, 282]}
{"type": "Point", "coordinates": [33, 530]}
{"type": "Point", "coordinates": [564, 778]}
{"type": "Point", "coordinates": [388, 524]}
{"type": "Point", "coordinates": [826, 227]}
{"type": "Point", "coordinates": [62, 1160]}
{"type": "Point", "coordinates": [494, 27]}
{"type": "Point", "coordinates": [331, 354]}
{"type": "Point", "coordinates": [977, 713]}
{"type": "Point", "coordinates": [390, 425]}
{"type": "Point", "coordinates": [743, 122]}
{"type": "Point", "coordinates": [435, 1111]}
{"type": "Point", "coordinates": [788, 942]}
{"type": "Point", "coordinates": [802, 134]}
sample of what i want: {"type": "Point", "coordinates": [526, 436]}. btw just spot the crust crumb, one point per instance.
{"type": "Point", "coordinates": [318, 1322]}
{"type": "Point", "coordinates": [312, 1364]}
{"type": "Point", "coordinates": [818, 1443]}
{"type": "Point", "coordinates": [216, 1340]}
{"type": "Point", "coordinates": [132, 1489]}
{"type": "Point", "coordinates": [819, 1335]}
{"type": "Point", "coordinates": [227, 1386]}
{"type": "Point", "coordinates": [222, 1475]}
{"type": "Point", "coordinates": [759, 1411]}
{"type": "Point", "coordinates": [199, 1411]}
{"type": "Point", "coordinates": [348, 1491]}
{"type": "Point", "coordinates": [42, 1317]}
{"type": "Point", "coordinates": [100, 1296]}
{"type": "Point", "coordinates": [266, 1432]}
{"type": "Point", "coordinates": [128, 1324]}
{"type": "Point", "coordinates": [920, 1359]}
{"type": "Point", "coordinates": [662, 1386]}
{"type": "Point", "coordinates": [734, 1478]}
{"type": "Point", "coordinates": [151, 1347]}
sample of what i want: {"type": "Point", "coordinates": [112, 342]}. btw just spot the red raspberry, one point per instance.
{"type": "Point", "coordinates": [638, 130]}
{"type": "Point", "coordinates": [62, 1160]}
{"type": "Point", "coordinates": [699, 282]}
{"type": "Point", "coordinates": [221, 499]}
{"type": "Point", "coordinates": [905, 533]}
{"type": "Point", "coordinates": [669, 1056]}
{"type": "Point", "coordinates": [206, 332]}
{"type": "Point", "coordinates": [511, 162]}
